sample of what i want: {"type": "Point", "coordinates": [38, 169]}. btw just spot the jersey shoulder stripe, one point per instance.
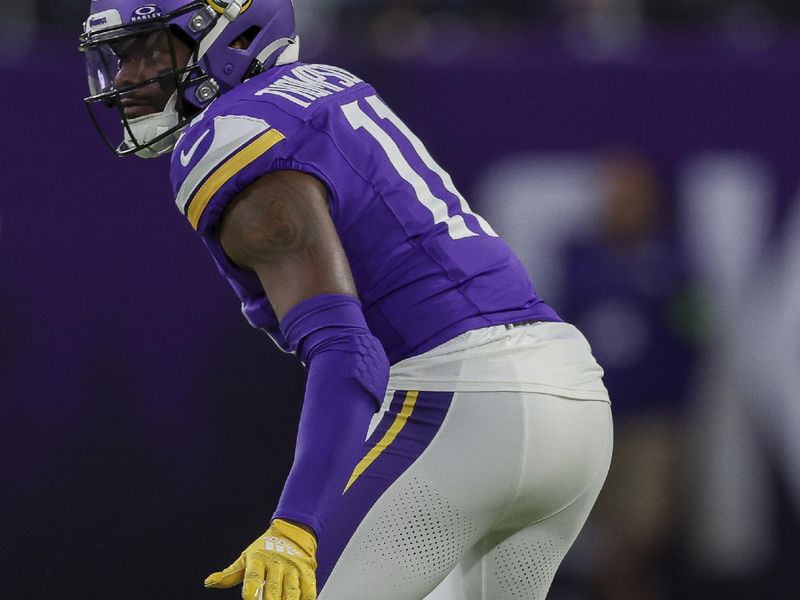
{"type": "Point", "coordinates": [200, 199]}
{"type": "Point", "coordinates": [236, 141]}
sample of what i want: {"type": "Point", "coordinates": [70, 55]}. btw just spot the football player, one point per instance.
{"type": "Point", "coordinates": [453, 426]}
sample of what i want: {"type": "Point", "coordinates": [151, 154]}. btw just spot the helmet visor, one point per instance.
{"type": "Point", "coordinates": [144, 61]}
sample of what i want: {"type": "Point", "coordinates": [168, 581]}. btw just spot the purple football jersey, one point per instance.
{"type": "Point", "coordinates": [426, 267]}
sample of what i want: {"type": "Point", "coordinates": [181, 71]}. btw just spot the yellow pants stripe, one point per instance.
{"type": "Point", "coordinates": [397, 426]}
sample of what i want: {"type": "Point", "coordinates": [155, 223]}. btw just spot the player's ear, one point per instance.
{"type": "Point", "coordinates": [240, 43]}
{"type": "Point", "coordinates": [243, 41]}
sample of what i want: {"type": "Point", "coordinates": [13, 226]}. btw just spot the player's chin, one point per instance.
{"type": "Point", "coordinates": [136, 111]}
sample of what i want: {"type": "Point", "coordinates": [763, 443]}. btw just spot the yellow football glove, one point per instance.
{"type": "Point", "coordinates": [279, 565]}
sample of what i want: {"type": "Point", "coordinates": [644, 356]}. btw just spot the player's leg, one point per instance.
{"type": "Point", "coordinates": [448, 465]}
{"type": "Point", "coordinates": [517, 565]}
{"type": "Point", "coordinates": [517, 561]}
{"type": "Point", "coordinates": [497, 461]}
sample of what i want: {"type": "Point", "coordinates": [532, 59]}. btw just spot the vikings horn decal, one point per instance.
{"type": "Point", "coordinates": [222, 5]}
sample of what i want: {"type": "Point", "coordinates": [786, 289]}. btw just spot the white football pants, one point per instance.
{"type": "Point", "coordinates": [489, 508]}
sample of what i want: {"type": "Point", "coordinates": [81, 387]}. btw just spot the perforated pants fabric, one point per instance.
{"type": "Point", "coordinates": [517, 565]}
{"type": "Point", "coordinates": [489, 508]}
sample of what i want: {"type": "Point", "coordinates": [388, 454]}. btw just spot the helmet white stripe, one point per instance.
{"type": "Point", "coordinates": [230, 14]}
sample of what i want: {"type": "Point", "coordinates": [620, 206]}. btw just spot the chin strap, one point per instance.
{"type": "Point", "coordinates": [141, 130]}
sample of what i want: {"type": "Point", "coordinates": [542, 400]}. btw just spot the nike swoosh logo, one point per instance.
{"type": "Point", "coordinates": [186, 157]}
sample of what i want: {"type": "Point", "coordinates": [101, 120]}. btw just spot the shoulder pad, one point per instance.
{"type": "Point", "coordinates": [209, 162]}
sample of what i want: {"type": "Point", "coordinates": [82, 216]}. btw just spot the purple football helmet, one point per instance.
{"type": "Point", "coordinates": [159, 64]}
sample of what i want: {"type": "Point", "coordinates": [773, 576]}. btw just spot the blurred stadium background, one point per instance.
{"type": "Point", "coordinates": [642, 157]}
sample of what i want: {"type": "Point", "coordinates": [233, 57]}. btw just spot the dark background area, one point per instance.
{"type": "Point", "coordinates": [147, 430]}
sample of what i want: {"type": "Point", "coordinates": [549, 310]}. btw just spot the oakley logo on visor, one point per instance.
{"type": "Point", "coordinates": [148, 11]}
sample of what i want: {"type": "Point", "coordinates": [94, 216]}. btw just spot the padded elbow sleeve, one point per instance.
{"type": "Point", "coordinates": [347, 376]}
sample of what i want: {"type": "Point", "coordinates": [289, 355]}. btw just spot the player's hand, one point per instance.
{"type": "Point", "coordinates": [279, 565]}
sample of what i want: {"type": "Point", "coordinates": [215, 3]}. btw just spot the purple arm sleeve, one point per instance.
{"type": "Point", "coordinates": [347, 376]}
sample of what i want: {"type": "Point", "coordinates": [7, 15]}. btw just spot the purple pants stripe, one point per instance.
{"type": "Point", "coordinates": [416, 431]}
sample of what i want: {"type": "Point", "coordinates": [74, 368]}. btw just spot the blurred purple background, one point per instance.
{"type": "Point", "coordinates": [147, 429]}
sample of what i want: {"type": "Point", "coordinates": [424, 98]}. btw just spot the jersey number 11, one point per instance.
{"type": "Point", "coordinates": [456, 226]}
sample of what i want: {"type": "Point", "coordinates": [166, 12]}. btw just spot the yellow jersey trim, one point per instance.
{"type": "Point", "coordinates": [201, 198]}
{"type": "Point", "coordinates": [397, 426]}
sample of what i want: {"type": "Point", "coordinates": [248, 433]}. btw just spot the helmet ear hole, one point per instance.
{"type": "Point", "coordinates": [243, 41]}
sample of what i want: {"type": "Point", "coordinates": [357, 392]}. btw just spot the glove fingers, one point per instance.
{"type": "Point", "coordinates": [228, 577]}
{"type": "Point", "coordinates": [274, 586]}
{"type": "Point", "coordinates": [253, 587]}
{"type": "Point", "coordinates": [308, 587]}
{"type": "Point", "coordinates": [291, 586]}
